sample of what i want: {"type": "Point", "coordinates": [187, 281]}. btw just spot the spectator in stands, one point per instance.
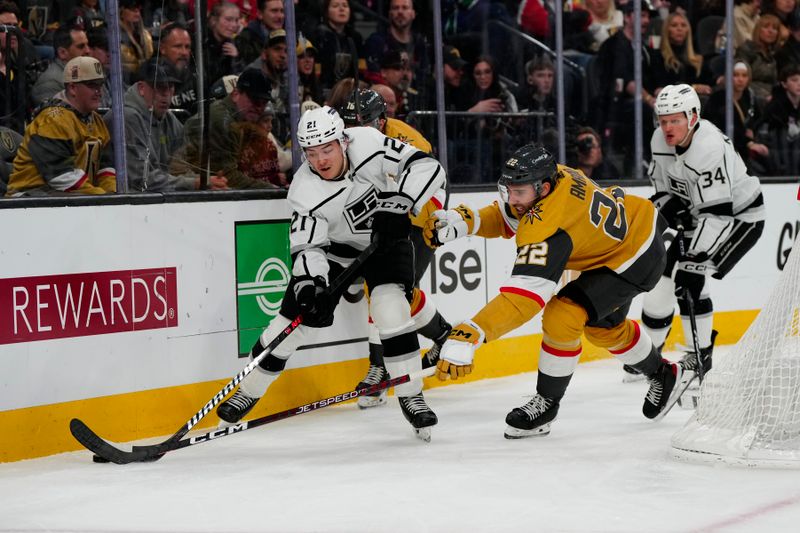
{"type": "Point", "coordinates": [679, 63]}
{"type": "Point", "coordinates": [759, 53]}
{"type": "Point", "coordinates": [537, 92]}
{"type": "Point", "coordinates": [590, 156]}
{"type": "Point", "coordinates": [387, 94]}
{"type": "Point", "coordinates": [66, 147]}
{"type": "Point", "coordinates": [339, 45]}
{"type": "Point", "coordinates": [491, 134]}
{"type": "Point", "coordinates": [10, 141]}
{"type": "Point", "coordinates": [746, 114]}
{"type": "Point", "coordinates": [745, 16]}
{"type": "Point", "coordinates": [274, 63]}
{"type": "Point", "coordinates": [613, 110]}
{"type": "Point", "coordinates": [309, 87]}
{"type": "Point", "coordinates": [89, 11]}
{"type": "Point", "coordinates": [222, 56]}
{"type": "Point", "coordinates": [68, 43]}
{"type": "Point", "coordinates": [455, 90]}
{"type": "Point", "coordinates": [399, 37]}
{"type": "Point", "coordinates": [175, 47]}
{"type": "Point", "coordinates": [396, 73]}
{"type": "Point", "coordinates": [782, 123]}
{"type": "Point", "coordinates": [782, 9]}
{"type": "Point", "coordinates": [153, 134]}
{"type": "Point", "coordinates": [789, 53]}
{"type": "Point", "coordinates": [15, 103]}
{"type": "Point", "coordinates": [534, 18]}
{"type": "Point", "coordinates": [98, 49]}
{"type": "Point", "coordinates": [254, 37]}
{"type": "Point", "coordinates": [136, 45]}
{"type": "Point", "coordinates": [605, 20]}
{"type": "Point", "coordinates": [341, 92]}
{"type": "Point", "coordinates": [245, 104]}
{"type": "Point", "coordinates": [260, 157]}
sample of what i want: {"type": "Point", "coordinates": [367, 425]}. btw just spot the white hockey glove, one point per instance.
{"type": "Point", "coordinates": [445, 226]}
{"type": "Point", "coordinates": [455, 359]}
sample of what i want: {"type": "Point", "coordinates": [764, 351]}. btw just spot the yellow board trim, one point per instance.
{"type": "Point", "coordinates": [44, 430]}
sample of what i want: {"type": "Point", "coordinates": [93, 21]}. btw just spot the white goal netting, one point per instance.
{"type": "Point", "coordinates": [749, 409]}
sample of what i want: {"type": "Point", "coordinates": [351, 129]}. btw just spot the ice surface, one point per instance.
{"type": "Point", "coordinates": [604, 467]}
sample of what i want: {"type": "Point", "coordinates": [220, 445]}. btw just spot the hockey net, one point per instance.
{"type": "Point", "coordinates": [749, 409]}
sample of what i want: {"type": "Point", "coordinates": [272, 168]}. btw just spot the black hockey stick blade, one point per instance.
{"type": "Point", "coordinates": [140, 454]}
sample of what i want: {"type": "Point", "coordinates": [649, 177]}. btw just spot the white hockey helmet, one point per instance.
{"type": "Point", "coordinates": [678, 99]}
{"type": "Point", "coordinates": [320, 126]}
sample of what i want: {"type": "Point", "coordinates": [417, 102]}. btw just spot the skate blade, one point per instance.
{"type": "Point", "coordinates": [365, 402]}
{"type": "Point", "coordinates": [423, 433]}
{"type": "Point", "coordinates": [632, 378]}
{"type": "Point", "coordinates": [689, 399]}
{"type": "Point", "coordinates": [516, 433]}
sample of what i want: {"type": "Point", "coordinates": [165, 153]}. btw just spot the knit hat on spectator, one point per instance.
{"type": "Point", "coordinates": [276, 37]}
{"type": "Point", "coordinates": [394, 59]}
{"type": "Point", "coordinates": [255, 84]}
{"type": "Point", "coordinates": [452, 57]}
{"type": "Point", "coordinates": [629, 6]}
{"type": "Point", "coordinates": [155, 72]}
{"type": "Point", "coordinates": [82, 69]}
{"type": "Point", "coordinates": [304, 46]}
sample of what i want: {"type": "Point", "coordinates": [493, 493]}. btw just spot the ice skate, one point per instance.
{"type": "Point", "coordinates": [375, 375]}
{"type": "Point", "coordinates": [532, 419]}
{"type": "Point", "coordinates": [419, 414]}
{"type": "Point", "coordinates": [236, 407]}
{"type": "Point", "coordinates": [662, 385]}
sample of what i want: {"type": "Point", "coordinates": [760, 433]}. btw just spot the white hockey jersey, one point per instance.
{"type": "Point", "coordinates": [332, 219]}
{"type": "Point", "coordinates": [711, 179]}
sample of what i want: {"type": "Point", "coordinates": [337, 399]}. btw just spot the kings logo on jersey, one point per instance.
{"type": "Point", "coordinates": [359, 212]}
{"type": "Point", "coordinates": [679, 187]}
{"type": "Point", "coordinates": [263, 270]}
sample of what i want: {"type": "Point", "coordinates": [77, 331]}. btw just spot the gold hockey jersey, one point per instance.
{"type": "Point", "coordinates": [63, 151]}
{"type": "Point", "coordinates": [578, 226]}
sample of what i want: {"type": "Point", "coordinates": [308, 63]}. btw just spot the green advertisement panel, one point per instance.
{"type": "Point", "coordinates": [263, 269]}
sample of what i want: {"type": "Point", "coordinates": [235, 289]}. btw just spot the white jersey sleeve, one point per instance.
{"type": "Point", "coordinates": [415, 174]}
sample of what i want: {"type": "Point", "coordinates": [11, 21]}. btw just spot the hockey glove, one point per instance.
{"type": "Point", "coordinates": [455, 359]}
{"type": "Point", "coordinates": [445, 226]}
{"type": "Point", "coordinates": [674, 211]}
{"type": "Point", "coordinates": [390, 220]}
{"type": "Point", "coordinates": [314, 301]}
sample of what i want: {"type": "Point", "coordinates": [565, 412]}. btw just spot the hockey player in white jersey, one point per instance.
{"type": "Point", "coordinates": [701, 185]}
{"type": "Point", "coordinates": [354, 186]}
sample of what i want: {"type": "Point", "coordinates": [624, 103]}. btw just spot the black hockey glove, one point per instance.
{"type": "Point", "coordinates": [314, 301]}
{"type": "Point", "coordinates": [390, 221]}
{"type": "Point", "coordinates": [673, 210]}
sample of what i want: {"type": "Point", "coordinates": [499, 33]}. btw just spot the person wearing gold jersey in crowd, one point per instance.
{"type": "Point", "coordinates": [67, 147]}
{"type": "Point", "coordinates": [370, 111]}
{"type": "Point", "coordinates": [562, 220]}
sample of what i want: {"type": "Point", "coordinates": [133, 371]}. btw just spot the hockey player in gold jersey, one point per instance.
{"type": "Point", "coordinates": [562, 220]}
{"type": "Point", "coordinates": [370, 110]}
{"type": "Point", "coordinates": [66, 147]}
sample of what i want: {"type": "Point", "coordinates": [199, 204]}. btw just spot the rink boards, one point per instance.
{"type": "Point", "coordinates": [131, 317]}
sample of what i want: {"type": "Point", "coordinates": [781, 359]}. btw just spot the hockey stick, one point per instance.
{"type": "Point", "coordinates": [83, 434]}
{"type": "Point", "coordinates": [687, 296]}
{"type": "Point", "coordinates": [138, 454]}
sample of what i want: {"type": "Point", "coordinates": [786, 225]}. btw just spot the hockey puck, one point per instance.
{"type": "Point", "coordinates": [98, 459]}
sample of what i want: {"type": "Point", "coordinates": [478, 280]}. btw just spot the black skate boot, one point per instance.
{"type": "Point", "coordinates": [689, 361]}
{"type": "Point", "coordinates": [631, 375]}
{"type": "Point", "coordinates": [236, 407]}
{"type": "Point", "coordinates": [375, 375]}
{"type": "Point", "coordinates": [532, 419]}
{"type": "Point", "coordinates": [662, 384]}
{"type": "Point", "coordinates": [419, 414]}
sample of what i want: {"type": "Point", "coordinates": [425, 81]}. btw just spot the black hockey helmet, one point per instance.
{"type": "Point", "coordinates": [370, 108]}
{"type": "Point", "coordinates": [532, 164]}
